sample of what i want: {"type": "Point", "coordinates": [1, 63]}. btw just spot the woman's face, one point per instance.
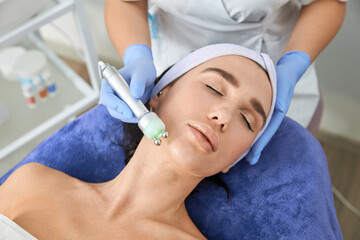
{"type": "Point", "coordinates": [213, 113]}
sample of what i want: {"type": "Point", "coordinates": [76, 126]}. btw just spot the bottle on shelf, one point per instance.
{"type": "Point", "coordinates": [40, 87]}
{"type": "Point", "coordinates": [49, 81]}
{"type": "Point", "coordinates": [29, 93]}
{"type": "Point", "coordinates": [35, 77]}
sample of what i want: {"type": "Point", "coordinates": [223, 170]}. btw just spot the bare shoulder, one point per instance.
{"type": "Point", "coordinates": [31, 175]}
{"type": "Point", "coordinates": [28, 180]}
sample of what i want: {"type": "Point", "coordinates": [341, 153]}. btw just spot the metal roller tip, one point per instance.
{"type": "Point", "coordinates": [157, 141]}
{"type": "Point", "coordinates": [165, 134]}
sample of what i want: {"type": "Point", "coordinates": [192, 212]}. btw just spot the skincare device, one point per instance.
{"type": "Point", "coordinates": [149, 123]}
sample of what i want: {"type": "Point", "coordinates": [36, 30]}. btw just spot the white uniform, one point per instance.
{"type": "Point", "coordinates": [179, 27]}
{"type": "Point", "coordinates": [10, 230]}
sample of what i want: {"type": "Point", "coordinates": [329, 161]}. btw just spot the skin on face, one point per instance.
{"type": "Point", "coordinates": [204, 97]}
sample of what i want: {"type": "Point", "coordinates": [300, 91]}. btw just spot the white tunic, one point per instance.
{"type": "Point", "coordinates": [179, 27]}
{"type": "Point", "coordinates": [10, 230]}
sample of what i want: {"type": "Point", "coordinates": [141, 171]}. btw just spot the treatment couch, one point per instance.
{"type": "Point", "coordinates": [286, 195]}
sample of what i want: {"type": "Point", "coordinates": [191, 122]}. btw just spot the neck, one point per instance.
{"type": "Point", "coordinates": [151, 185]}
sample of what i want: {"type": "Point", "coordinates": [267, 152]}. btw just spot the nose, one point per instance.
{"type": "Point", "coordinates": [221, 117]}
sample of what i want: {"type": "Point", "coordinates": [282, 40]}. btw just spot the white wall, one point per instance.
{"type": "Point", "coordinates": [338, 69]}
{"type": "Point", "coordinates": [338, 66]}
{"type": "Point", "coordinates": [95, 15]}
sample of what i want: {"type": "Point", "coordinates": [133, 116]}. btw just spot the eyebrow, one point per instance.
{"type": "Point", "coordinates": [255, 103]}
{"type": "Point", "coordinates": [259, 108]}
{"type": "Point", "coordinates": [226, 75]}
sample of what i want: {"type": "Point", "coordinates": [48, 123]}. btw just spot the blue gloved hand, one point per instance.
{"type": "Point", "coordinates": [290, 67]}
{"type": "Point", "coordinates": [140, 73]}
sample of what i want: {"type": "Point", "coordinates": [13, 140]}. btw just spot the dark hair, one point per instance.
{"type": "Point", "coordinates": [132, 136]}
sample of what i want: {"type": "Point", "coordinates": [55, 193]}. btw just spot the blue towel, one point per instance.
{"type": "Point", "coordinates": [286, 195]}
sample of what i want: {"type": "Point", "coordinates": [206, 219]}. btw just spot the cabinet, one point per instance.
{"type": "Point", "coordinates": [74, 95]}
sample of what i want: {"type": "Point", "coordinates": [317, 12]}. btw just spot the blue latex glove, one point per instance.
{"type": "Point", "coordinates": [290, 67]}
{"type": "Point", "coordinates": [140, 72]}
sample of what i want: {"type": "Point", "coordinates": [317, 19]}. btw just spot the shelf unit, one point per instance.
{"type": "Point", "coordinates": [74, 95]}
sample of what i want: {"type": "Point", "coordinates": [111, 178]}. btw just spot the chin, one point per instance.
{"type": "Point", "coordinates": [188, 158]}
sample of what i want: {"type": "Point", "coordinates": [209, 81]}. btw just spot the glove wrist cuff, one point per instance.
{"type": "Point", "coordinates": [136, 51]}
{"type": "Point", "coordinates": [303, 56]}
{"type": "Point", "coordinates": [294, 62]}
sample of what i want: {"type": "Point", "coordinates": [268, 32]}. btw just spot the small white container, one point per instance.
{"type": "Point", "coordinates": [31, 64]}
{"type": "Point", "coordinates": [8, 56]}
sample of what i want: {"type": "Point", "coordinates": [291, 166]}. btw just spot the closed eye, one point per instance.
{"type": "Point", "coordinates": [247, 122]}
{"type": "Point", "coordinates": [214, 90]}
{"type": "Point", "coordinates": [243, 116]}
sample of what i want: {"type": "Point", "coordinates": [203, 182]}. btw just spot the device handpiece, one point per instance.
{"type": "Point", "coordinates": [149, 122]}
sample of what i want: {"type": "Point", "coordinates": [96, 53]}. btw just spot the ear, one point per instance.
{"type": "Point", "coordinates": [226, 169]}
{"type": "Point", "coordinates": [154, 102]}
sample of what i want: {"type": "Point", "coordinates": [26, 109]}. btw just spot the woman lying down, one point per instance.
{"type": "Point", "coordinates": [215, 103]}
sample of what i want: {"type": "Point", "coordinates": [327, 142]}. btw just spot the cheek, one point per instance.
{"type": "Point", "coordinates": [175, 112]}
{"type": "Point", "coordinates": [184, 103]}
{"type": "Point", "coordinates": [182, 150]}
{"type": "Point", "coordinates": [236, 143]}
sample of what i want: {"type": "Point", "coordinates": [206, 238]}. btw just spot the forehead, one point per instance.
{"type": "Point", "coordinates": [249, 74]}
{"type": "Point", "coordinates": [243, 69]}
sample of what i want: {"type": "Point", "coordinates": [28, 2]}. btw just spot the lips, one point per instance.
{"type": "Point", "coordinates": [207, 132]}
